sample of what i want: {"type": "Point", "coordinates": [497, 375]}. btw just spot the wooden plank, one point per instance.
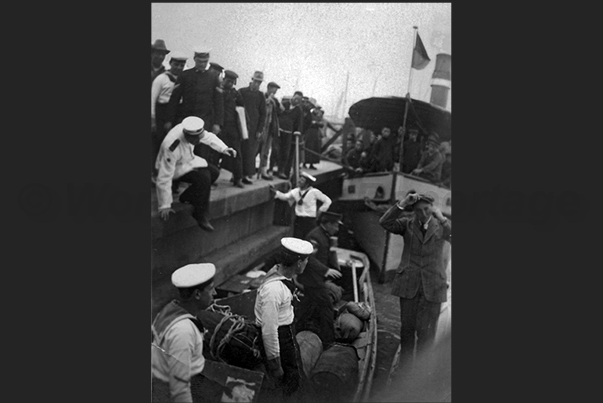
{"type": "Point", "coordinates": [239, 384]}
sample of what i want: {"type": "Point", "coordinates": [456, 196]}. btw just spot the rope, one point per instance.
{"type": "Point", "coordinates": [238, 324]}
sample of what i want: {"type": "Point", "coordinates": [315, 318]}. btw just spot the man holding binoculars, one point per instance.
{"type": "Point", "coordinates": [420, 280]}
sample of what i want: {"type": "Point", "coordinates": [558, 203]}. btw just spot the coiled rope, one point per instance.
{"type": "Point", "coordinates": [238, 324]}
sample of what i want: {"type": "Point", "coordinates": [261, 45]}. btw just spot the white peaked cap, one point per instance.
{"type": "Point", "coordinates": [193, 274]}
{"type": "Point", "coordinates": [297, 246]}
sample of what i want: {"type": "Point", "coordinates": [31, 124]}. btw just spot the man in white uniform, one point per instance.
{"type": "Point", "coordinates": [305, 196]}
{"type": "Point", "coordinates": [274, 313]}
{"type": "Point", "coordinates": [161, 90]}
{"type": "Point", "coordinates": [177, 343]}
{"type": "Point", "coordinates": [176, 160]}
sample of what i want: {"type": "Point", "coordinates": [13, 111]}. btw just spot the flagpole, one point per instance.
{"type": "Point", "coordinates": [345, 94]}
{"type": "Point", "coordinates": [393, 192]}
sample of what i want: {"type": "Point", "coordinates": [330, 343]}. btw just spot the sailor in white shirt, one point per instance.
{"type": "Point", "coordinates": [305, 197]}
{"type": "Point", "coordinates": [274, 313]}
{"type": "Point", "coordinates": [161, 90]}
{"type": "Point", "coordinates": [176, 160]}
{"type": "Point", "coordinates": [177, 337]}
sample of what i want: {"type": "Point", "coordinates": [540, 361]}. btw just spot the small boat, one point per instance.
{"type": "Point", "coordinates": [356, 277]}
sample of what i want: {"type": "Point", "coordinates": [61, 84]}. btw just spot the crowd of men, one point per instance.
{"type": "Point", "coordinates": [238, 125]}
{"type": "Point", "coordinates": [423, 156]}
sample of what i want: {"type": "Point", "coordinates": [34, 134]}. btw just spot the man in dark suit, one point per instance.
{"type": "Point", "coordinates": [199, 90]}
{"type": "Point", "coordinates": [291, 122]}
{"type": "Point", "coordinates": [255, 110]}
{"type": "Point", "coordinates": [411, 153]}
{"type": "Point", "coordinates": [328, 226]}
{"type": "Point", "coordinates": [231, 134]}
{"type": "Point", "coordinates": [420, 280]}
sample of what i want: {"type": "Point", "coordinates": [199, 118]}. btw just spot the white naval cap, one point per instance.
{"type": "Point", "coordinates": [178, 56]}
{"type": "Point", "coordinates": [193, 274]}
{"type": "Point", "coordinates": [202, 51]}
{"type": "Point", "coordinates": [193, 125]}
{"type": "Point", "coordinates": [297, 246]}
{"type": "Point", "coordinates": [308, 176]}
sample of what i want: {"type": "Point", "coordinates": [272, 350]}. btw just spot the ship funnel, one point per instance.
{"type": "Point", "coordinates": [440, 80]}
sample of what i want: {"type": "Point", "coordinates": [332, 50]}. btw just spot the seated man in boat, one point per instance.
{"type": "Point", "coordinates": [357, 159]}
{"type": "Point", "coordinates": [383, 153]}
{"type": "Point", "coordinates": [274, 313]}
{"type": "Point", "coordinates": [328, 227]}
{"type": "Point", "coordinates": [446, 177]}
{"type": "Point", "coordinates": [411, 153]}
{"type": "Point", "coordinates": [305, 197]}
{"type": "Point", "coordinates": [177, 343]}
{"type": "Point", "coordinates": [315, 310]}
{"type": "Point", "coordinates": [420, 280]}
{"type": "Point", "coordinates": [176, 160]}
{"type": "Point", "coordinates": [430, 165]}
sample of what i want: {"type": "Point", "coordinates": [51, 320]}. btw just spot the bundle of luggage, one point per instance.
{"type": "Point", "coordinates": [230, 338]}
{"type": "Point", "coordinates": [351, 321]}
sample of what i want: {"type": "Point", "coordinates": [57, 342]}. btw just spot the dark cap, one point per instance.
{"type": "Point", "coordinates": [216, 66]}
{"type": "Point", "coordinates": [425, 198]}
{"type": "Point", "coordinates": [230, 74]}
{"type": "Point", "coordinates": [273, 84]}
{"type": "Point", "coordinates": [328, 216]}
{"type": "Point", "coordinates": [433, 138]}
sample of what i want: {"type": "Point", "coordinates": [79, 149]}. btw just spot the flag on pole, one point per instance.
{"type": "Point", "coordinates": [419, 55]}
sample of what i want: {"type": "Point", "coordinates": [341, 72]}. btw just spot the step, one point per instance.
{"type": "Point", "coordinates": [191, 243]}
{"type": "Point", "coordinates": [230, 260]}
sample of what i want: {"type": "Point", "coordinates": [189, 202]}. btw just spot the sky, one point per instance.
{"type": "Point", "coordinates": [312, 47]}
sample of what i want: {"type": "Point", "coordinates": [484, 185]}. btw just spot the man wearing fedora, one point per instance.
{"type": "Point", "coordinates": [255, 110]}
{"type": "Point", "coordinates": [161, 91]}
{"type": "Point", "coordinates": [430, 165]}
{"type": "Point", "coordinates": [420, 280]}
{"type": "Point", "coordinates": [177, 161]}
{"type": "Point", "coordinates": [158, 52]}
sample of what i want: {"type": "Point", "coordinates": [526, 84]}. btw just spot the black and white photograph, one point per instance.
{"type": "Point", "coordinates": [301, 215]}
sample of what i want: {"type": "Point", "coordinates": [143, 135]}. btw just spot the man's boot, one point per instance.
{"type": "Point", "coordinates": [265, 175]}
{"type": "Point", "coordinates": [203, 222]}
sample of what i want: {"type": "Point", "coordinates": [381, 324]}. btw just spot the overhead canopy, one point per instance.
{"type": "Point", "coordinates": [375, 113]}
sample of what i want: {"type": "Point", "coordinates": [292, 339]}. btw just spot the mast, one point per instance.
{"type": "Point", "coordinates": [345, 94]}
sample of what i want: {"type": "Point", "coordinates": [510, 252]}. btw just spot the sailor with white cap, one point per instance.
{"type": "Point", "coordinates": [274, 313]}
{"type": "Point", "coordinates": [161, 91]}
{"type": "Point", "coordinates": [176, 160]}
{"type": "Point", "coordinates": [177, 344]}
{"type": "Point", "coordinates": [305, 197]}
